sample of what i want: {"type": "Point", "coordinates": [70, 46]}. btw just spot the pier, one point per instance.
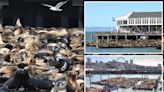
{"type": "Point", "coordinates": [142, 39]}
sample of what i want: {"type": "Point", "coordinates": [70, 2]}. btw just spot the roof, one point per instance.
{"type": "Point", "coordinates": [145, 14]}
{"type": "Point", "coordinates": [124, 16]}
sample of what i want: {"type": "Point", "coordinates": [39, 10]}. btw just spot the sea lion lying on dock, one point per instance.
{"type": "Point", "coordinates": [21, 78]}
{"type": "Point", "coordinates": [7, 71]}
{"type": "Point", "coordinates": [59, 33]}
{"type": "Point", "coordinates": [1, 40]}
{"type": "Point", "coordinates": [32, 44]}
{"type": "Point", "coordinates": [62, 64]}
{"type": "Point", "coordinates": [59, 85]}
{"type": "Point", "coordinates": [46, 54]}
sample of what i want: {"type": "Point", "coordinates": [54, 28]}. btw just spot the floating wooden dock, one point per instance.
{"type": "Point", "coordinates": [113, 39]}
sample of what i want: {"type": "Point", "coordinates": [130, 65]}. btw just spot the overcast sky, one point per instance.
{"type": "Point", "coordinates": [147, 60]}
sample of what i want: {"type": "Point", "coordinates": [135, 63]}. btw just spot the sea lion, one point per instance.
{"type": "Point", "coordinates": [71, 82]}
{"type": "Point", "coordinates": [21, 78]}
{"type": "Point", "coordinates": [32, 44]}
{"type": "Point", "coordinates": [62, 64]}
{"type": "Point", "coordinates": [55, 47]}
{"type": "Point", "coordinates": [4, 51]}
{"type": "Point", "coordinates": [18, 31]}
{"type": "Point", "coordinates": [8, 37]}
{"type": "Point", "coordinates": [9, 45]}
{"type": "Point", "coordinates": [80, 84]}
{"type": "Point", "coordinates": [1, 40]}
{"type": "Point", "coordinates": [18, 23]}
{"type": "Point", "coordinates": [75, 42]}
{"type": "Point", "coordinates": [7, 71]}
{"type": "Point", "coordinates": [1, 28]}
{"type": "Point", "coordinates": [76, 32]}
{"type": "Point", "coordinates": [60, 32]}
{"type": "Point", "coordinates": [59, 85]}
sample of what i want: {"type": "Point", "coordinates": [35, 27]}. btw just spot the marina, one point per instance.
{"type": "Point", "coordinates": [134, 30]}
{"type": "Point", "coordinates": [124, 73]}
{"type": "Point", "coordinates": [126, 86]}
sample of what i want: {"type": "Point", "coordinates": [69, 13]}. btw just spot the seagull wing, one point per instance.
{"type": "Point", "coordinates": [47, 5]}
{"type": "Point", "coordinates": [60, 4]}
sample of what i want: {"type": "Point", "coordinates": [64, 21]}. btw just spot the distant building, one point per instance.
{"type": "Point", "coordinates": [89, 60]}
{"type": "Point", "coordinates": [131, 61]}
{"type": "Point", "coordinates": [32, 13]}
{"type": "Point", "coordinates": [159, 66]}
{"type": "Point", "coordinates": [140, 22]}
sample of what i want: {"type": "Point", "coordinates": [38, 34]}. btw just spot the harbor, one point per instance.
{"type": "Point", "coordinates": [134, 30]}
{"type": "Point", "coordinates": [123, 73]}
{"type": "Point", "coordinates": [124, 82]}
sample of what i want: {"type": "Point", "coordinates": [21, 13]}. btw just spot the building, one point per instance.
{"type": "Point", "coordinates": [32, 13]}
{"type": "Point", "coordinates": [134, 26]}
{"type": "Point", "coordinates": [140, 22]}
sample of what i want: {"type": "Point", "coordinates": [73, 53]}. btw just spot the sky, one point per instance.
{"type": "Point", "coordinates": [147, 60]}
{"type": "Point", "coordinates": [100, 13]}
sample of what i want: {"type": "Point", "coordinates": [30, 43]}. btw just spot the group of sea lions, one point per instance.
{"type": "Point", "coordinates": [41, 59]}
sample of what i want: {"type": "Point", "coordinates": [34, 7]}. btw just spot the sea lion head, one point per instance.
{"type": "Point", "coordinates": [60, 83]}
{"type": "Point", "coordinates": [21, 75]}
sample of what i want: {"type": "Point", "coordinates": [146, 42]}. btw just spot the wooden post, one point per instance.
{"type": "Point", "coordinates": [90, 79]}
{"type": "Point", "coordinates": [102, 38]}
{"type": "Point", "coordinates": [149, 28]}
{"type": "Point", "coordinates": [156, 29]}
{"type": "Point", "coordinates": [136, 37]}
{"type": "Point", "coordinates": [1, 15]}
{"type": "Point", "coordinates": [39, 20]}
{"type": "Point", "coordinates": [80, 18]}
{"type": "Point", "coordinates": [97, 40]}
{"type": "Point", "coordinates": [64, 20]}
{"type": "Point", "coordinates": [116, 38]}
{"type": "Point", "coordinates": [100, 76]}
{"type": "Point", "coordinates": [125, 37]}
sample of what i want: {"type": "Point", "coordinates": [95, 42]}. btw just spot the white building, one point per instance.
{"type": "Point", "coordinates": [140, 22]}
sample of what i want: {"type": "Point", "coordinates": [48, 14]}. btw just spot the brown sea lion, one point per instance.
{"type": "Point", "coordinates": [32, 44]}
{"type": "Point", "coordinates": [7, 71]}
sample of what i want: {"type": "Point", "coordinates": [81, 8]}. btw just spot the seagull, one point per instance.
{"type": "Point", "coordinates": [57, 7]}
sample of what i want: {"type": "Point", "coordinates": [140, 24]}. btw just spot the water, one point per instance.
{"type": "Point", "coordinates": [96, 77]}
{"type": "Point", "coordinates": [90, 36]}
{"type": "Point", "coordinates": [108, 50]}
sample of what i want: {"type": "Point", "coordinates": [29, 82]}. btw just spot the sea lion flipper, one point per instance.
{"type": "Point", "coordinates": [11, 84]}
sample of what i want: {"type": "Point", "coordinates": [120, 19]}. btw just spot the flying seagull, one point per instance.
{"type": "Point", "coordinates": [57, 7]}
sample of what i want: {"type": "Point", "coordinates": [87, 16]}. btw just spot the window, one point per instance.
{"type": "Point", "coordinates": [154, 21]}
{"type": "Point", "coordinates": [159, 20]}
{"type": "Point", "coordinates": [150, 21]}
{"type": "Point", "coordinates": [124, 22]}
{"type": "Point", "coordinates": [146, 21]}
{"type": "Point", "coordinates": [143, 21]}
{"type": "Point", "coordinates": [139, 21]}
{"type": "Point", "coordinates": [132, 21]}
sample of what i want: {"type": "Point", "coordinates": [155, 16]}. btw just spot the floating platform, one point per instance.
{"type": "Point", "coordinates": [127, 40]}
